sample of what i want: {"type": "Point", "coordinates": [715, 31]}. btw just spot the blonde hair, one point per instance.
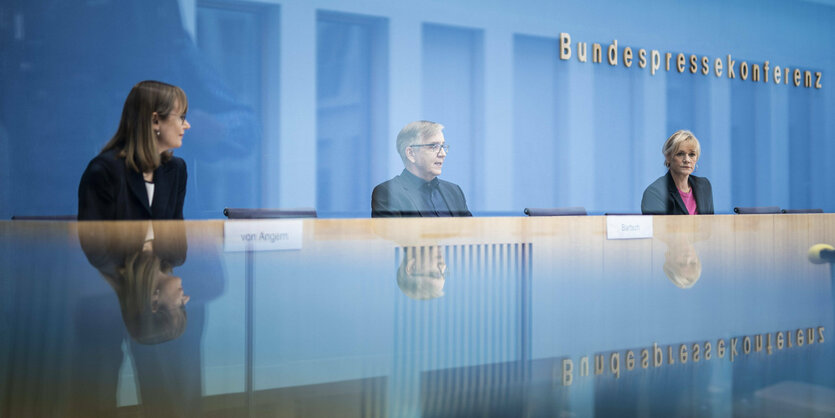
{"type": "Point", "coordinates": [415, 132]}
{"type": "Point", "coordinates": [135, 138]}
{"type": "Point", "coordinates": [674, 142]}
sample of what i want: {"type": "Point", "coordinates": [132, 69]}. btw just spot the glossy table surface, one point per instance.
{"type": "Point", "coordinates": [712, 316]}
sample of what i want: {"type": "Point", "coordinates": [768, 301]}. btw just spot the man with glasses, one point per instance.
{"type": "Point", "coordinates": [417, 191]}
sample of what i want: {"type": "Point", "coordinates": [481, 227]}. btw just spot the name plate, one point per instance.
{"type": "Point", "coordinates": [628, 227]}
{"type": "Point", "coordinates": [262, 235]}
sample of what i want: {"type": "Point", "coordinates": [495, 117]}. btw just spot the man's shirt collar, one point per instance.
{"type": "Point", "coordinates": [416, 182]}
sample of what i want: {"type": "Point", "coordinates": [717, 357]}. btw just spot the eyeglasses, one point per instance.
{"type": "Point", "coordinates": [436, 148]}
{"type": "Point", "coordinates": [181, 117]}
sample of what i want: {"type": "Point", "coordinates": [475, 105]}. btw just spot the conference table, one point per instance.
{"type": "Point", "coordinates": [722, 315]}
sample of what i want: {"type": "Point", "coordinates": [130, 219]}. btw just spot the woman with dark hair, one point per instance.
{"type": "Point", "coordinates": [136, 175]}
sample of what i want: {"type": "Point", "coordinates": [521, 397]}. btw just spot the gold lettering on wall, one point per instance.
{"type": "Point", "coordinates": [656, 61]}
{"type": "Point", "coordinates": [582, 51]}
{"type": "Point", "coordinates": [731, 73]}
{"type": "Point", "coordinates": [565, 46]}
{"type": "Point", "coordinates": [693, 62]}
{"type": "Point", "coordinates": [612, 53]}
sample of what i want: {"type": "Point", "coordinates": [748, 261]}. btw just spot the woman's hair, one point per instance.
{"type": "Point", "coordinates": [135, 138]}
{"type": "Point", "coordinates": [145, 323]}
{"type": "Point", "coordinates": [674, 142]}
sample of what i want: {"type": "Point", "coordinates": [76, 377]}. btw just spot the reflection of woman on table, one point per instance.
{"type": "Point", "coordinates": [151, 299]}
{"type": "Point", "coordinates": [137, 259]}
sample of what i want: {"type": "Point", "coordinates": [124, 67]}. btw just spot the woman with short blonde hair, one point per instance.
{"type": "Point", "coordinates": [679, 192]}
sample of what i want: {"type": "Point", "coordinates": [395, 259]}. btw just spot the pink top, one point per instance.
{"type": "Point", "coordinates": [689, 201]}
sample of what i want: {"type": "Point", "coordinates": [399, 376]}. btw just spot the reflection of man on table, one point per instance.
{"type": "Point", "coordinates": [421, 273]}
{"type": "Point", "coordinates": [417, 191]}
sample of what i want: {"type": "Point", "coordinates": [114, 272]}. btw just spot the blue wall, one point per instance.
{"type": "Point", "coordinates": [297, 103]}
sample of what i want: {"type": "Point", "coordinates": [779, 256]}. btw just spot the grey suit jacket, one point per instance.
{"type": "Point", "coordinates": [662, 198]}
{"type": "Point", "coordinates": [400, 197]}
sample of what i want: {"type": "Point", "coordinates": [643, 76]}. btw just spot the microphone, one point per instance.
{"type": "Point", "coordinates": [822, 253]}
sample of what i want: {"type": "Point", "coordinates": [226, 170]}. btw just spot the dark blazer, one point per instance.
{"type": "Point", "coordinates": [400, 197]}
{"type": "Point", "coordinates": [109, 190]}
{"type": "Point", "coordinates": [662, 198]}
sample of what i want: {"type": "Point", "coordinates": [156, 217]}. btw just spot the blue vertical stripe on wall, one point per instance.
{"type": "Point", "coordinates": [538, 163]}
{"type": "Point", "coordinates": [350, 109]}
{"type": "Point", "coordinates": [801, 128]}
{"type": "Point", "coordinates": [613, 142]}
{"type": "Point", "coordinates": [453, 96]}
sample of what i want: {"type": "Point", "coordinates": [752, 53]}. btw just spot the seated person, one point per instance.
{"type": "Point", "coordinates": [417, 191]}
{"type": "Point", "coordinates": [679, 192]}
{"type": "Point", "coordinates": [136, 176]}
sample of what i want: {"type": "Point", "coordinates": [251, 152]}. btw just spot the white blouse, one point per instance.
{"type": "Point", "coordinates": [150, 188]}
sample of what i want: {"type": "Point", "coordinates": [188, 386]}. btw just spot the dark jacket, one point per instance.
{"type": "Point", "coordinates": [662, 198]}
{"type": "Point", "coordinates": [109, 190]}
{"type": "Point", "coordinates": [400, 197]}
